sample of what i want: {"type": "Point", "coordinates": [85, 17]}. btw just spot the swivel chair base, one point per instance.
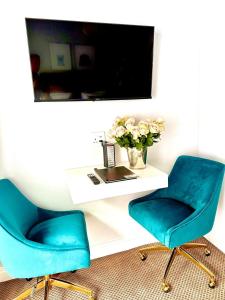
{"type": "Point", "coordinates": [47, 282]}
{"type": "Point", "coordinates": [166, 287]}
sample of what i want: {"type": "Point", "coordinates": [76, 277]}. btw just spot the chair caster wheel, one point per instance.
{"type": "Point", "coordinates": [73, 271]}
{"type": "Point", "coordinates": [212, 284]}
{"type": "Point", "coordinates": [143, 256]}
{"type": "Point", "coordinates": [29, 279]}
{"type": "Point", "coordinates": [166, 287]}
{"type": "Point", "coordinates": [207, 252]}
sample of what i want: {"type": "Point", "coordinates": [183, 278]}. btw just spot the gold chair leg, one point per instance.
{"type": "Point", "coordinates": [165, 285]}
{"type": "Point", "coordinates": [197, 245]}
{"type": "Point", "coordinates": [143, 252]}
{"type": "Point", "coordinates": [47, 286]}
{"type": "Point", "coordinates": [29, 291]}
{"type": "Point", "coordinates": [201, 266]}
{"type": "Point", "coordinates": [70, 286]}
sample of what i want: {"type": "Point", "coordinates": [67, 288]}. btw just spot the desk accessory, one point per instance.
{"type": "Point", "coordinates": [93, 178]}
{"type": "Point", "coordinates": [115, 174]}
{"type": "Point", "coordinates": [108, 154]}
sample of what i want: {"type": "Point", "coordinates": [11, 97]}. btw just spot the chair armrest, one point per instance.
{"type": "Point", "coordinates": [194, 226]}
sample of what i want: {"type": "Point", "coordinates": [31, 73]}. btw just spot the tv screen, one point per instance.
{"type": "Point", "coordinates": [75, 61]}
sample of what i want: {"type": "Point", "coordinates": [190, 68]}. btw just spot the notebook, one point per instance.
{"type": "Point", "coordinates": [115, 174]}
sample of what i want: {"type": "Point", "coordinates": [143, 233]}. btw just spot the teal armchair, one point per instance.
{"type": "Point", "coordinates": [182, 212]}
{"type": "Point", "coordinates": [40, 243]}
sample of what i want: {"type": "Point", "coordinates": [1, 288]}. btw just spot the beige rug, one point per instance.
{"type": "Point", "coordinates": [123, 276]}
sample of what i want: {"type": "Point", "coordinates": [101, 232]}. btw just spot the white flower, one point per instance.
{"type": "Point", "coordinates": [144, 131]}
{"type": "Point", "coordinates": [120, 131]}
{"type": "Point", "coordinates": [124, 127]}
{"type": "Point", "coordinates": [154, 127]}
{"type": "Point", "coordinates": [161, 124]}
{"type": "Point", "coordinates": [120, 121]}
{"type": "Point", "coordinates": [143, 127]}
{"type": "Point", "coordinates": [117, 121]}
{"type": "Point", "coordinates": [129, 127]}
{"type": "Point", "coordinates": [130, 121]}
{"type": "Point", "coordinates": [143, 123]}
{"type": "Point", "coordinates": [135, 132]}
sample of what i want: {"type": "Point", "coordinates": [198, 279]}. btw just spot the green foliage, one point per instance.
{"type": "Point", "coordinates": [149, 141]}
{"type": "Point", "coordinates": [127, 141]}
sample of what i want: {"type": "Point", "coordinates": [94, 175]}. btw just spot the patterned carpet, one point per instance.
{"type": "Point", "coordinates": [123, 276]}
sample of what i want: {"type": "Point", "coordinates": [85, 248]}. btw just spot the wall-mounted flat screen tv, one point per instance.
{"type": "Point", "coordinates": [75, 61]}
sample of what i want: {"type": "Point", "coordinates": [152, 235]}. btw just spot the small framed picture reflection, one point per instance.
{"type": "Point", "coordinates": [84, 57]}
{"type": "Point", "coordinates": [60, 56]}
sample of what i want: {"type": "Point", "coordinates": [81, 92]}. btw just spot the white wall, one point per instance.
{"type": "Point", "coordinates": [40, 140]}
{"type": "Point", "coordinates": [211, 105]}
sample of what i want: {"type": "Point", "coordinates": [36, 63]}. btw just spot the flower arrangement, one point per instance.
{"type": "Point", "coordinates": [130, 133]}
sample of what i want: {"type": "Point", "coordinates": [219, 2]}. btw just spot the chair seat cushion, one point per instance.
{"type": "Point", "coordinates": [67, 231]}
{"type": "Point", "coordinates": [159, 215]}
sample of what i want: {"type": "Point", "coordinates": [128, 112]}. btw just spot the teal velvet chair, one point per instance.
{"type": "Point", "coordinates": [36, 242]}
{"type": "Point", "coordinates": [182, 212]}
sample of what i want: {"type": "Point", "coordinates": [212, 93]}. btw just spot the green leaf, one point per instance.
{"type": "Point", "coordinates": [139, 146]}
{"type": "Point", "coordinates": [149, 141]}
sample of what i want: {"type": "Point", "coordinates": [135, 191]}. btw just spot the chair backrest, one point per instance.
{"type": "Point", "coordinates": [195, 181]}
{"type": "Point", "coordinates": [17, 213]}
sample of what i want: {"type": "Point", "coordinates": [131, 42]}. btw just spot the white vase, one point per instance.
{"type": "Point", "coordinates": [137, 158]}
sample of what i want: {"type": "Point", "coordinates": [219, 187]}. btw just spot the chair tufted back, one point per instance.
{"type": "Point", "coordinates": [195, 181]}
